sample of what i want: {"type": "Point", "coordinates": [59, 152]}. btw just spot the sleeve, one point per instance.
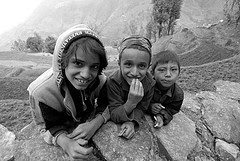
{"type": "Point", "coordinates": [171, 109]}
{"type": "Point", "coordinates": [116, 102]}
{"type": "Point", "coordinates": [54, 120]}
{"type": "Point", "coordinates": [102, 103]}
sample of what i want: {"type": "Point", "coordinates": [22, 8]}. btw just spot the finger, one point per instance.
{"type": "Point", "coordinates": [81, 141]}
{"type": "Point", "coordinates": [135, 82]}
{"type": "Point", "coordinates": [159, 106]}
{"type": "Point", "coordinates": [137, 85]}
{"type": "Point", "coordinates": [132, 86]}
{"type": "Point", "coordinates": [84, 151]}
{"type": "Point", "coordinates": [155, 110]}
{"type": "Point", "coordinates": [76, 136]}
{"type": "Point", "coordinates": [141, 89]}
{"type": "Point", "coordinates": [130, 135]}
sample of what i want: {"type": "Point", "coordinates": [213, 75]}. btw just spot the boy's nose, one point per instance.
{"type": "Point", "coordinates": [134, 71]}
{"type": "Point", "coordinates": [85, 73]}
{"type": "Point", "coordinates": [168, 73]}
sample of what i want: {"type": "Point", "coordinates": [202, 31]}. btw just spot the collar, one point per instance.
{"type": "Point", "coordinates": [169, 92]}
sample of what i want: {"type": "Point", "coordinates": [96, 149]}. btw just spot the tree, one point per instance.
{"type": "Point", "coordinates": [165, 13]}
{"type": "Point", "coordinates": [35, 43]}
{"type": "Point", "coordinates": [49, 44]}
{"type": "Point", "coordinates": [19, 45]}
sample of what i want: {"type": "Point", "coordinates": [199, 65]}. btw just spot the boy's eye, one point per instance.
{"type": "Point", "coordinates": [142, 66]}
{"type": "Point", "coordinates": [174, 69]}
{"type": "Point", "coordinates": [127, 65]}
{"type": "Point", "coordinates": [161, 69]}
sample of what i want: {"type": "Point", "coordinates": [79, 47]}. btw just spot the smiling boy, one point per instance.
{"type": "Point", "coordinates": [168, 96]}
{"type": "Point", "coordinates": [131, 87]}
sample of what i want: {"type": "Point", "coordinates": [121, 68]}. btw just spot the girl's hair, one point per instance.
{"type": "Point", "coordinates": [88, 45]}
{"type": "Point", "coordinates": [164, 57]}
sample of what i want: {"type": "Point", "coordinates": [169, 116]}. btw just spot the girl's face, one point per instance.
{"type": "Point", "coordinates": [82, 69]}
{"type": "Point", "coordinates": [134, 63]}
{"type": "Point", "coordinates": [166, 74]}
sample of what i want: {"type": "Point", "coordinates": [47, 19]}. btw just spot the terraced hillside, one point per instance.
{"type": "Point", "coordinates": [206, 55]}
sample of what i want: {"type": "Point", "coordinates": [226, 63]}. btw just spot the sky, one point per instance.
{"type": "Point", "coordinates": [14, 12]}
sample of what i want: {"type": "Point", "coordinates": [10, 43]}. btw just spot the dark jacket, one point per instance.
{"type": "Point", "coordinates": [172, 101]}
{"type": "Point", "coordinates": [118, 89]}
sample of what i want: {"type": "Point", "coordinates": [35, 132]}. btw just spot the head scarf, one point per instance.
{"type": "Point", "coordinates": [135, 40]}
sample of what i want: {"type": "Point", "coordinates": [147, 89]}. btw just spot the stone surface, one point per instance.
{"type": "Point", "coordinates": [228, 89]}
{"type": "Point", "coordinates": [222, 116]}
{"type": "Point", "coordinates": [226, 151]}
{"type": "Point", "coordinates": [30, 146]}
{"type": "Point", "coordinates": [142, 147]}
{"type": "Point", "coordinates": [7, 139]}
{"type": "Point", "coordinates": [178, 137]}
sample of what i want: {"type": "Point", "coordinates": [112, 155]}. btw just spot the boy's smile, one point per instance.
{"type": "Point", "coordinates": [166, 74]}
{"type": "Point", "coordinates": [134, 64]}
{"type": "Point", "coordinates": [82, 69]}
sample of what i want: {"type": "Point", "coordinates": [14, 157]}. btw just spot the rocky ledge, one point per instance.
{"type": "Point", "coordinates": [206, 129]}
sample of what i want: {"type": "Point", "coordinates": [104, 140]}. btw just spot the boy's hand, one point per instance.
{"type": "Point", "coordinates": [156, 107]}
{"type": "Point", "coordinates": [74, 148]}
{"type": "Point", "coordinates": [127, 130]}
{"type": "Point", "coordinates": [136, 92]}
{"type": "Point", "coordinates": [158, 121]}
{"type": "Point", "coordinates": [85, 131]}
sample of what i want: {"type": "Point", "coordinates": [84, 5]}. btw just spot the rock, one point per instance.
{"type": "Point", "coordinates": [190, 102]}
{"type": "Point", "coordinates": [228, 89]}
{"type": "Point", "coordinates": [222, 116]}
{"type": "Point", "coordinates": [226, 151]}
{"type": "Point", "coordinates": [31, 146]}
{"type": "Point", "coordinates": [7, 139]}
{"type": "Point", "coordinates": [142, 147]}
{"type": "Point", "coordinates": [178, 137]}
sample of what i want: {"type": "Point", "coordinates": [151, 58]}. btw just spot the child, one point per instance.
{"type": "Point", "coordinates": [168, 96]}
{"type": "Point", "coordinates": [63, 97]}
{"type": "Point", "coordinates": [131, 87]}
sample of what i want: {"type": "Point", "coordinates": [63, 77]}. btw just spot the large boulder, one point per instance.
{"type": "Point", "coordinates": [222, 116]}
{"type": "Point", "coordinates": [142, 147]}
{"type": "Point", "coordinates": [178, 137]}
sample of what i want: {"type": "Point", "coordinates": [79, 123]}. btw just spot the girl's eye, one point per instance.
{"type": "Point", "coordinates": [79, 64]}
{"type": "Point", "coordinates": [95, 67]}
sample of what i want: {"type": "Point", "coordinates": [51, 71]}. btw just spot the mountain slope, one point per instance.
{"type": "Point", "coordinates": [112, 18]}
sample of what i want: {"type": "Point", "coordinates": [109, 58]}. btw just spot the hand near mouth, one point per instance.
{"type": "Point", "coordinates": [135, 95]}
{"type": "Point", "coordinates": [136, 92]}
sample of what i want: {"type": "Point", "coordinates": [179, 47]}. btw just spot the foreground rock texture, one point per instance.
{"type": "Point", "coordinates": [206, 129]}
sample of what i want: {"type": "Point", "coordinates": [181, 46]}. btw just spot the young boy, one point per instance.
{"type": "Point", "coordinates": [168, 96]}
{"type": "Point", "coordinates": [131, 87]}
{"type": "Point", "coordinates": [63, 97]}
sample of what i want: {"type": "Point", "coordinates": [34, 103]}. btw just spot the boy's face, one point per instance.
{"type": "Point", "coordinates": [82, 69]}
{"type": "Point", "coordinates": [166, 74]}
{"type": "Point", "coordinates": [134, 63]}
